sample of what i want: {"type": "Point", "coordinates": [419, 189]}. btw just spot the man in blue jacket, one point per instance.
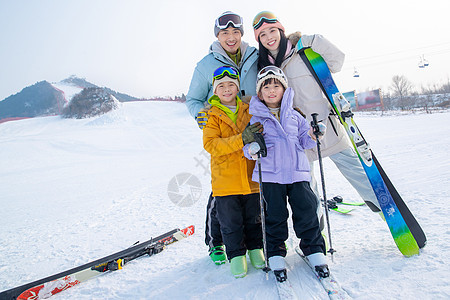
{"type": "Point", "coordinates": [227, 50]}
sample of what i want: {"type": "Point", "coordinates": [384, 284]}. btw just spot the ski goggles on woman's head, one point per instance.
{"type": "Point", "coordinates": [224, 21]}
{"type": "Point", "coordinates": [264, 16]}
{"type": "Point", "coordinates": [271, 70]}
{"type": "Point", "coordinates": [226, 71]}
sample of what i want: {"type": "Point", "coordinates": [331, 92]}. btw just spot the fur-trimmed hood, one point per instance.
{"type": "Point", "coordinates": [294, 37]}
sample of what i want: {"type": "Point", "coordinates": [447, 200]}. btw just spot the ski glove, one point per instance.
{"type": "Point", "coordinates": [202, 118]}
{"type": "Point", "coordinates": [253, 149]}
{"type": "Point", "coordinates": [322, 128]}
{"type": "Point", "coordinates": [248, 133]}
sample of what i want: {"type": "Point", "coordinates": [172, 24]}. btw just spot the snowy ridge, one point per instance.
{"type": "Point", "coordinates": [68, 90]}
{"type": "Point", "coordinates": [73, 191]}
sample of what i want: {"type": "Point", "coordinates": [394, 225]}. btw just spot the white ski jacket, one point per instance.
{"type": "Point", "coordinates": [309, 96]}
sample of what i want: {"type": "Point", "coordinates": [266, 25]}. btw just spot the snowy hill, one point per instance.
{"type": "Point", "coordinates": [39, 99]}
{"type": "Point", "coordinates": [44, 98]}
{"type": "Point", "coordinates": [73, 191]}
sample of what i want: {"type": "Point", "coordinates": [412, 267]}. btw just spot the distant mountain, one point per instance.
{"type": "Point", "coordinates": [44, 98]}
{"type": "Point", "coordinates": [39, 99]}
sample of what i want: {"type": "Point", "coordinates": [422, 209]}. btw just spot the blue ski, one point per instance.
{"type": "Point", "coordinates": [407, 233]}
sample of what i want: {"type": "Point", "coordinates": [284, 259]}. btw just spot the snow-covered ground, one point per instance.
{"type": "Point", "coordinates": [72, 191]}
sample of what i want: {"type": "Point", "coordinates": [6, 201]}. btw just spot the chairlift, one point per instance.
{"type": "Point", "coordinates": [355, 73]}
{"type": "Point", "coordinates": [421, 64]}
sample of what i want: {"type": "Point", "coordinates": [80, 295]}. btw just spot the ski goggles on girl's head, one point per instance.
{"type": "Point", "coordinates": [224, 21]}
{"type": "Point", "coordinates": [264, 17]}
{"type": "Point", "coordinates": [226, 71]}
{"type": "Point", "coordinates": [271, 70]}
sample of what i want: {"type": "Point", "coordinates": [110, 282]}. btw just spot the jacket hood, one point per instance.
{"type": "Point", "coordinates": [216, 48]}
{"type": "Point", "coordinates": [259, 109]}
{"type": "Point", "coordinates": [294, 37]}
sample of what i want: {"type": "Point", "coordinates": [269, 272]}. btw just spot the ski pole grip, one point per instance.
{"type": "Point", "coordinates": [314, 117]}
{"type": "Point", "coordinates": [262, 144]}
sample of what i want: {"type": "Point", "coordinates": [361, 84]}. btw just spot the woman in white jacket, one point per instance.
{"type": "Point", "coordinates": [277, 49]}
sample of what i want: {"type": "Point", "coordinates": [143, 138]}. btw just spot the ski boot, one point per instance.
{"type": "Point", "coordinates": [239, 266]}
{"type": "Point", "coordinates": [278, 265]}
{"type": "Point", "coordinates": [319, 262]}
{"type": "Point", "coordinates": [218, 255]}
{"type": "Point", "coordinates": [257, 258]}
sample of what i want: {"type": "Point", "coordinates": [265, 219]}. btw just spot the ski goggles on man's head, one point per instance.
{"type": "Point", "coordinates": [271, 70]}
{"type": "Point", "coordinates": [224, 21]}
{"type": "Point", "coordinates": [264, 17]}
{"type": "Point", "coordinates": [226, 71]}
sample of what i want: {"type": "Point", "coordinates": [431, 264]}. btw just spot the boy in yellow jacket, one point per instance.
{"type": "Point", "coordinates": [235, 194]}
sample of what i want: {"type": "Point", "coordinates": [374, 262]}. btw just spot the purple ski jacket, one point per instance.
{"type": "Point", "coordinates": [286, 141]}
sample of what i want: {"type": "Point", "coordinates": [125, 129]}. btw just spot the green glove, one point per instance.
{"type": "Point", "coordinates": [248, 133]}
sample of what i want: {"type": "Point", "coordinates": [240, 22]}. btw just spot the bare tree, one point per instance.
{"type": "Point", "coordinates": [402, 88]}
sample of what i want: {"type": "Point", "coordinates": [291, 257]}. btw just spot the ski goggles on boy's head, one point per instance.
{"type": "Point", "coordinates": [271, 70]}
{"type": "Point", "coordinates": [264, 17]}
{"type": "Point", "coordinates": [225, 19]}
{"type": "Point", "coordinates": [225, 71]}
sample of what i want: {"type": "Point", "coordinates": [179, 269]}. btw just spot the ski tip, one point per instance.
{"type": "Point", "coordinates": [188, 231]}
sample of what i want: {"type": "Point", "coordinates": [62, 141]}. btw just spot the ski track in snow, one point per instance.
{"type": "Point", "coordinates": [73, 191]}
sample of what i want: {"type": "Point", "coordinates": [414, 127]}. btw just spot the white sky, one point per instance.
{"type": "Point", "coordinates": [150, 48]}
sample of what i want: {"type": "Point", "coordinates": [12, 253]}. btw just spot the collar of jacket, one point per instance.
{"type": "Point", "coordinates": [286, 54]}
{"type": "Point", "coordinates": [235, 57]}
{"type": "Point", "coordinates": [217, 50]}
{"type": "Point", "coordinates": [215, 101]}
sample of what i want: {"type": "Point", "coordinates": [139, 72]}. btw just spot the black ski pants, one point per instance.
{"type": "Point", "coordinates": [303, 204]}
{"type": "Point", "coordinates": [240, 223]}
{"type": "Point", "coordinates": [213, 236]}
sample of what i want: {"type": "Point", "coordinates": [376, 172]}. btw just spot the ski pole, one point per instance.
{"type": "Point", "coordinates": [262, 152]}
{"type": "Point", "coordinates": [317, 133]}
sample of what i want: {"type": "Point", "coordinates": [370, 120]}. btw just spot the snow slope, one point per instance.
{"type": "Point", "coordinates": [68, 89]}
{"type": "Point", "coordinates": [73, 191]}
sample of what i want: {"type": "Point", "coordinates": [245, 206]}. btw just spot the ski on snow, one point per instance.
{"type": "Point", "coordinates": [49, 286]}
{"type": "Point", "coordinates": [329, 284]}
{"type": "Point", "coordinates": [285, 289]}
{"type": "Point", "coordinates": [406, 231]}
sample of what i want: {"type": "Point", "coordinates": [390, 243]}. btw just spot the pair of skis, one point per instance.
{"type": "Point", "coordinates": [49, 286]}
{"type": "Point", "coordinates": [406, 231]}
{"type": "Point", "coordinates": [330, 284]}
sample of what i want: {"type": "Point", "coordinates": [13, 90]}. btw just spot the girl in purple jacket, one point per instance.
{"type": "Point", "coordinates": [285, 172]}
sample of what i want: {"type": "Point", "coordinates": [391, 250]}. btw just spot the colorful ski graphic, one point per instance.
{"type": "Point", "coordinates": [407, 234]}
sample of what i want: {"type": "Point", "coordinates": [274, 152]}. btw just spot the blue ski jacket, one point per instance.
{"type": "Point", "coordinates": [200, 89]}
